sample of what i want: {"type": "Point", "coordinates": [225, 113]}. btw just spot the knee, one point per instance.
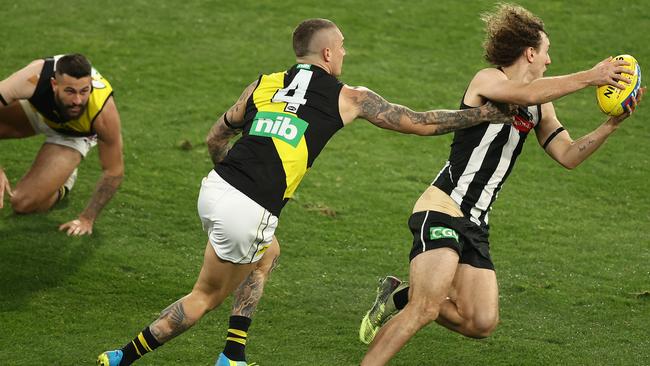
{"type": "Point", "coordinates": [24, 203]}
{"type": "Point", "coordinates": [203, 302]}
{"type": "Point", "coordinates": [483, 325]}
{"type": "Point", "coordinates": [423, 311]}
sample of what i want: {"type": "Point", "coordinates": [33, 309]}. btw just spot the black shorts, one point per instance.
{"type": "Point", "coordinates": [432, 230]}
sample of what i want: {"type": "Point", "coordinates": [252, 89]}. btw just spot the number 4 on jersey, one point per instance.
{"type": "Point", "coordinates": [294, 94]}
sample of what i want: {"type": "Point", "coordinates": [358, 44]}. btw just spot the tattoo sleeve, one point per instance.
{"type": "Point", "coordinates": [106, 188]}
{"type": "Point", "coordinates": [218, 140]}
{"type": "Point", "coordinates": [249, 293]}
{"type": "Point", "coordinates": [171, 322]}
{"type": "Point", "coordinates": [220, 134]}
{"type": "Point", "coordinates": [392, 116]}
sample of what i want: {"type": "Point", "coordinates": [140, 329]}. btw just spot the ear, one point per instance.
{"type": "Point", "coordinates": [53, 82]}
{"type": "Point", "coordinates": [530, 54]}
{"type": "Point", "coordinates": [327, 54]}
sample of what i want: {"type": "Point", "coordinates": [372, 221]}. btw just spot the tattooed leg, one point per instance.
{"type": "Point", "coordinates": [248, 294]}
{"type": "Point", "coordinates": [171, 322]}
{"type": "Point", "coordinates": [217, 280]}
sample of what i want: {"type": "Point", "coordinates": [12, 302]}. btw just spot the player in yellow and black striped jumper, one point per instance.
{"type": "Point", "coordinates": [69, 102]}
{"type": "Point", "coordinates": [285, 119]}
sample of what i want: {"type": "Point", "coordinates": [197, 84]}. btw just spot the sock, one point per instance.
{"type": "Point", "coordinates": [63, 191]}
{"type": "Point", "coordinates": [236, 340]}
{"type": "Point", "coordinates": [401, 298]}
{"type": "Point", "coordinates": [143, 343]}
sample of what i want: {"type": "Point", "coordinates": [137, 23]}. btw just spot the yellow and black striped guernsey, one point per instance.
{"type": "Point", "coordinates": [289, 119]}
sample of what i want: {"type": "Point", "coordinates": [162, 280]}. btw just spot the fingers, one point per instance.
{"type": "Point", "coordinates": [639, 94]}
{"type": "Point", "coordinates": [5, 186]}
{"type": "Point", "coordinates": [619, 63]}
{"type": "Point", "coordinates": [76, 228]}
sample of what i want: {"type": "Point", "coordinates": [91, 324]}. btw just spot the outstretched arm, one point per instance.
{"type": "Point", "coordinates": [566, 151]}
{"type": "Point", "coordinates": [107, 126]}
{"type": "Point", "coordinates": [364, 103]}
{"type": "Point", "coordinates": [492, 84]}
{"type": "Point", "coordinates": [220, 133]}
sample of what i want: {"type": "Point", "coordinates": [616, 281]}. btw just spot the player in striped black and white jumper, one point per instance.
{"type": "Point", "coordinates": [452, 277]}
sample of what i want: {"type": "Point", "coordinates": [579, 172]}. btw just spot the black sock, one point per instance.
{"type": "Point", "coordinates": [401, 298]}
{"type": "Point", "coordinates": [141, 344]}
{"type": "Point", "coordinates": [236, 340]}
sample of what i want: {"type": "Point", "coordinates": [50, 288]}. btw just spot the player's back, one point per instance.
{"type": "Point", "coordinates": [289, 119]}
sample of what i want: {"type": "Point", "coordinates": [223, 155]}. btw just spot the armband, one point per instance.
{"type": "Point", "coordinates": [552, 136]}
{"type": "Point", "coordinates": [225, 120]}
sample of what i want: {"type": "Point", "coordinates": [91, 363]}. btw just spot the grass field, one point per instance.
{"type": "Point", "coordinates": [572, 248]}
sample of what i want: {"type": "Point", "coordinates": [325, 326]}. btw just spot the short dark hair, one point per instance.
{"type": "Point", "coordinates": [304, 33]}
{"type": "Point", "coordinates": [75, 65]}
{"type": "Point", "coordinates": [510, 29]}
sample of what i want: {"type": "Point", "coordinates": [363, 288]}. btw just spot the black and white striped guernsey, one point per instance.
{"type": "Point", "coordinates": [481, 159]}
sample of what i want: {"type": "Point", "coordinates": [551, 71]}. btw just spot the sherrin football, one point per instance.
{"type": "Point", "coordinates": [612, 100]}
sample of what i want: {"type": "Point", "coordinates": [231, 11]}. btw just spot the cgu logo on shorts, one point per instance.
{"type": "Point", "coordinates": [285, 127]}
{"type": "Point", "coordinates": [438, 232]}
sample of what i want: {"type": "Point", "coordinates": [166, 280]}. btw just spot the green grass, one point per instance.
{"type": "Point", "coordinates": [571, 247]}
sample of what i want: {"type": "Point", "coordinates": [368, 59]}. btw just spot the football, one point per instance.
{"type": "Point", "coordinates": [612, 100]}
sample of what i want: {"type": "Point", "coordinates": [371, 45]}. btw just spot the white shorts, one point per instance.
{"type": "Point", "coordinates": [239, 229]}
{"type": "Point", "coordinates": [82, 144]}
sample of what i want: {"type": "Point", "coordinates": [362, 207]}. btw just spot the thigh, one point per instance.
{"type": "Point", "coordinates": [475, 292]}
{"type": "Point", "coordinates": [14, 123]}
{"type": "Point", "coordinates": [52, 166]}
{"type": "Point", "coordinates": [431, 275]}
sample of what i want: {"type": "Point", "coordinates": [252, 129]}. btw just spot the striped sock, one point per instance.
{"type": "Point", "coordinates": [236, 340]}
{"type": "Point", "coordinates": [138, 347]}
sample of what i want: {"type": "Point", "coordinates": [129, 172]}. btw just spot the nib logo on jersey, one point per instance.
{"type": "Point", "coordinates": [285, 127]}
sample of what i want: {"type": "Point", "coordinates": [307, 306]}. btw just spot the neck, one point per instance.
{"type": "Point", "coordinates": [314, 61]}
{"type": "Point", "coordinates": [519, 71]}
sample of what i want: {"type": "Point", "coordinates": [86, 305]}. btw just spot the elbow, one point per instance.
{"type": "Point", "coordinates": [115, 174]}
{"type": "Point", "coordinates": [569, 165]}
{"type": "Point", "coordinates": [431, 132]}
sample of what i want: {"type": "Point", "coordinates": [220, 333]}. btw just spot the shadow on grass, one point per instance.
{"type": "Point", "coordinates": [34, 256]}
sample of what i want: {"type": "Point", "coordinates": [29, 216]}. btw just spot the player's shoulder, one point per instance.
{"type": "Point", "coordinates": [490, 73]}
{"type": "Point", "coordinates": [355, 95]}
{"type": "Point", "coordinates": [485, 79]}
{"type": "Point", "coordinates": [35, 66]}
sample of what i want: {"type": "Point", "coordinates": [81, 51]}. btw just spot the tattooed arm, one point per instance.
{"type": "Point", "coordinates": [109, 136]}
{"type": "Point", "coordinates": [566, 151]}
{"type": "Point", "coordinates": [364, 103]}
{"type": "Point", "coordinates": [220, 133]}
